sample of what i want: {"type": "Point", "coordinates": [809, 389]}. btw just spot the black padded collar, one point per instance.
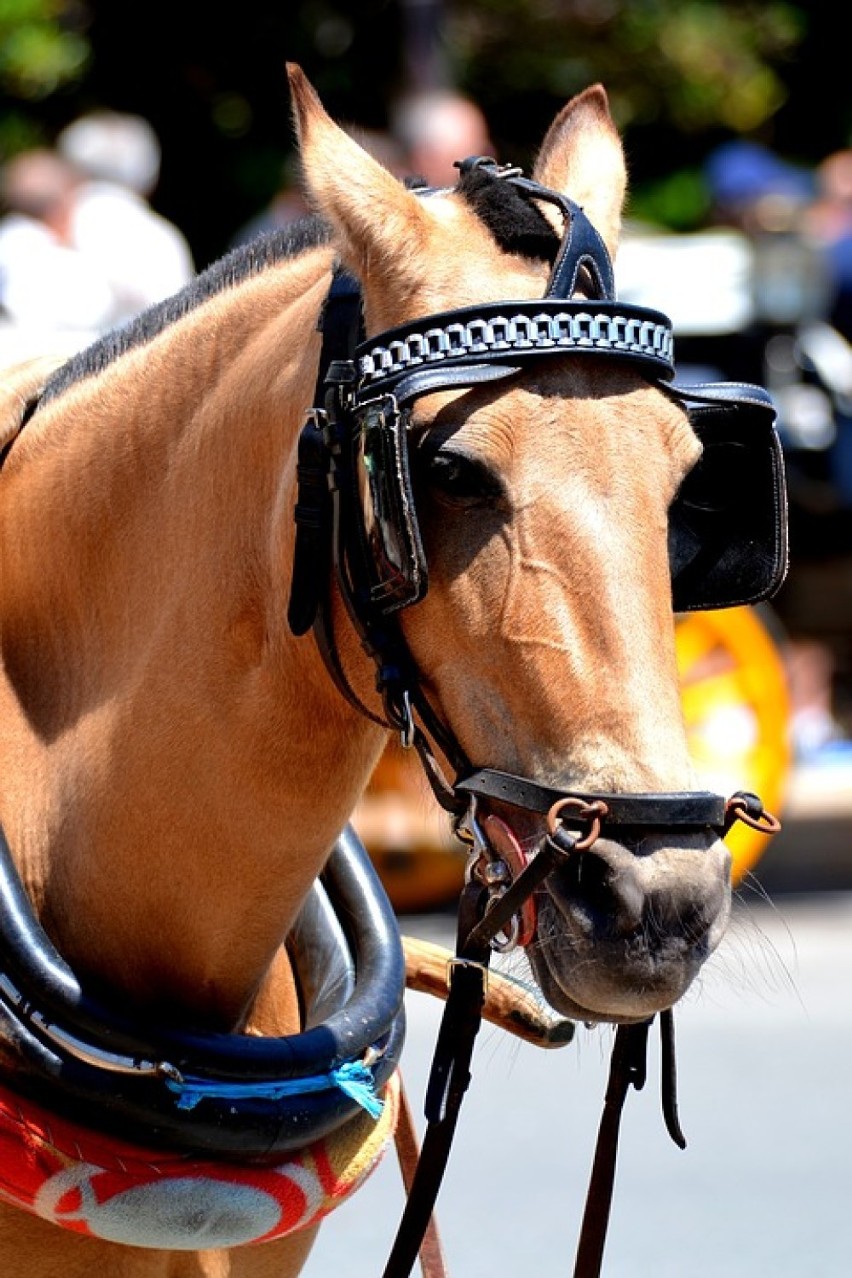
{"type": "Point", "coordinates": [87, 1059]}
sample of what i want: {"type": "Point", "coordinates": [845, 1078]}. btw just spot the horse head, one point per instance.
{"type": "Point", "coordinates": [537, 499]}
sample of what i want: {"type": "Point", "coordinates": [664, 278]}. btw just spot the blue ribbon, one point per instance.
{"type": "Point", "coordinates": [353, 1077]}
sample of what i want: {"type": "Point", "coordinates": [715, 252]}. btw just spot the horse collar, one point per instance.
{"type": "Point", "coordinates": [215, 1095]}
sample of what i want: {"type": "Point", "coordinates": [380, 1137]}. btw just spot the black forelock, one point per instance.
{"type": "Point", "coordinates": [516, 223]}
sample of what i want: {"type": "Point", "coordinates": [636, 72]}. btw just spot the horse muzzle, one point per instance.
{"type": "Point", "coordinates": [621, 900]}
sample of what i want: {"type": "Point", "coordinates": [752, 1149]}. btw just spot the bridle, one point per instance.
{"type": "Point", "coordinates": [354, 442]}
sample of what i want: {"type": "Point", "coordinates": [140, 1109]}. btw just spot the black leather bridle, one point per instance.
{"type": "Point", "coordinates": [364, 388]}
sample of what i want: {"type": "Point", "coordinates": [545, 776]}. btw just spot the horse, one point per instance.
{"type": "Point", "coordinates": [234, 560]}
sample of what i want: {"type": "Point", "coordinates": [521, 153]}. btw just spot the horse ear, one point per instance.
{"type": "Point", "coordinates": [368, 206]}
{"type": "Point", "coordinates": [582, 158]}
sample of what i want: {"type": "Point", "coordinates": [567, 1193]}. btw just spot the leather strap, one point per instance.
{"type": "Point", "coordinates": [683, 809]}
{"type": "Point", "coordinates": [432, 1261]}
{"type": "Point", "coordinates": [448, 1082]}
{"type": "Point", "coordinates": [627, 1068]}
{"type": "Point", "coordinates": [669, 1079]}
{"type": "Point", "coordinates": [450, 1077]}
{"type": "Point", "coordinates": [341, 325]}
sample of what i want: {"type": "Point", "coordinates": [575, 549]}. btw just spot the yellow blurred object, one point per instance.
{"type": "Point", "coordinates": [737, 711]}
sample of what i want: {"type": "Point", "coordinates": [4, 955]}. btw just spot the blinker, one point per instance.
{"type": "Point", "coordinates": [727, 524]}
{"type": "Point", "coordinates": [395, 566]}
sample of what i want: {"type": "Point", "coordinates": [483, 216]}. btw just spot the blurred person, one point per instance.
{"type": "Point", "coordinates": [52, 297]}
{"type": "Point", "coordinates": [437, 128]}
{"type": "Point", "coordinates": [830, 215]}
{"type": "Point", "coordinates": [755, 190]}
{"type": "Point", "coordinates": [145, 257]}
{"type": "Point", "coordinates": [829, 223]}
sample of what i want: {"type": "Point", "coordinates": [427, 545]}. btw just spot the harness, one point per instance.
{"type": "Point", "coordinates": [223, 1095]}
{"type": "Point", "coordinates": [357, 525]}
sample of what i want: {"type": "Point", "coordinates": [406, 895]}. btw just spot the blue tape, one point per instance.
{"type": "Point", "coordinates": [353, 1077]}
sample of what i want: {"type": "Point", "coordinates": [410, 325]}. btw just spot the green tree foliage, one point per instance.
{"type": "Point", "coordinates": [677, 73]}
{"type": "Point", "coordinates": [42, 50]}
{"type": "Point", "coordinates": [681, 76]}
{"type": "Point", "coordinates": [691, 65]}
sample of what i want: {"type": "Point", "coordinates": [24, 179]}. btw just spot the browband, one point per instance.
{"type": "Point", "coordinates": [519, 330]}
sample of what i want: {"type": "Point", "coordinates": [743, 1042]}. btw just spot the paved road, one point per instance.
{"type": "Point", "coordinates": [764, 1189]}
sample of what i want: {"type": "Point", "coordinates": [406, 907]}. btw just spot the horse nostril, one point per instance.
{"type": "Point", "coordinates": [610, 895]}
{"type": "Point", "coordinates": [619, 897]}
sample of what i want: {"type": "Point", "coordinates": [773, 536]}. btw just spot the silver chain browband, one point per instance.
{"type": "Point", "coordinates": [536, 327]}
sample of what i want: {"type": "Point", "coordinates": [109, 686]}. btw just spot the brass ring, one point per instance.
{"type": "Point", "coordinates": [593, 812]}
{"type": "Point", "coordinates": [763, 821]}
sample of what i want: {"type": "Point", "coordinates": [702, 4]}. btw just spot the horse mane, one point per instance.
{"type": "Point", "coordinates": [516, 224]}
{"type": "Point", "coordinates": [240, 264]}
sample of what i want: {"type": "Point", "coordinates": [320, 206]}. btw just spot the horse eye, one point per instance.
{"type": "Point", "coordinates": [460, 479]}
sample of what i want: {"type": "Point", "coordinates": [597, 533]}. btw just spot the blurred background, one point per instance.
{"type": "Point", "coordinates": [682, 79]}
{"type": "Point", "coordinates": [141, 141]}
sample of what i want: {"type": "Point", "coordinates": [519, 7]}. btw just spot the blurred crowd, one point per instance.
{"type": "Point", "coordinates": [765, 196]}
{"type": "Point", "coordinates": [81, 249]}
{"type": "Point", "coordinates": [763, 293]}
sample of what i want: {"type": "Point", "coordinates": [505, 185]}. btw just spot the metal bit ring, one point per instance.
{"type": "Point", "coordinates": [738, 809]}
{"type": "Point", "coordinates": [593, 812]}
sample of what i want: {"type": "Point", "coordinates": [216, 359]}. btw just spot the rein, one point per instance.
{"type": "Point", "coordinates": [481, 919]}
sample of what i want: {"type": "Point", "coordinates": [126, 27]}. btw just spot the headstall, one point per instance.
{"type": "Point", "coordinates": [356, 513]}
